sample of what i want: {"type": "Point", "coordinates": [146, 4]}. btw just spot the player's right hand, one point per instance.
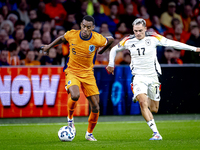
{"type": "Point", "coordinates": [110, 69]}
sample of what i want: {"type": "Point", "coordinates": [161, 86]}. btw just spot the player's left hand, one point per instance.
{"type": "Point", "coordinates": [110, 69]}
{"type": "Point", "coordinates": [45, 48]}
{"type": "Point", "coordinates": [198, 49]}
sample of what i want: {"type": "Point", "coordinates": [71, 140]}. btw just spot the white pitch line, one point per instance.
{"type": "Point", "coordinates": [121, 122]}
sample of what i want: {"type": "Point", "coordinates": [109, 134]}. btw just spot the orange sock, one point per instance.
{"type": "Point", "coordinates": [71, 105]}
{"type": "Point", "coordinates": [93, 118]}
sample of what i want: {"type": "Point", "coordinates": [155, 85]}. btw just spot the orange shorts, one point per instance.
{"type": "Point", "coordinates": [88, 84]}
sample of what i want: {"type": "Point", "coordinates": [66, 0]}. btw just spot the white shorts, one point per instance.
{"type": "Point", "coordinates": [148, 85]}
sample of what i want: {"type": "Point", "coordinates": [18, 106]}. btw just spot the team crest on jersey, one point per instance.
{"type": "Point", "coordinates": [91, 48]}
{"type": "Point", "coordinates": [148, 42]}
{"type": "Point", "coordinates": [69, 82]}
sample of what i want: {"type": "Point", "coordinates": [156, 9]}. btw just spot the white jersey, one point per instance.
{"type": "Point", "coordinates": [143, 52]}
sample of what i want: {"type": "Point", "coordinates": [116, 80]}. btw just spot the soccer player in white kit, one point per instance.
{"type": "Point", "coordinates": [145, 68]}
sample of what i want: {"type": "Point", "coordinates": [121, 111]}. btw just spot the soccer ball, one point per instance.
{"type": "Point", "coordinates": [66, 133]}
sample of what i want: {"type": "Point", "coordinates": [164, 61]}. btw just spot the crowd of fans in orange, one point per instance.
{"type": "Point", "coordinates": [26, 25]}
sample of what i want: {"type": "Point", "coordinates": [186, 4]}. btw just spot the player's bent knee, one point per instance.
{"type": "Point", "coordinates": [75, 97]}
{"type": "Point", "coordinates": [95, 109]}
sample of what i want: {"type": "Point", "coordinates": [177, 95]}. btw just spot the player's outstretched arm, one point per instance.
{"type": "Point", "coordinates": [57, 41]}
{"type": "Point", "coordinates": [110, 41]}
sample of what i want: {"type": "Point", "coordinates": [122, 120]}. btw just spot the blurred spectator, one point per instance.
{"type": "Point", "coordinates": [22, 11]}
{"type": "Point", "coordinates": [70, 21]}
{"type": "Point", "coordinates": [45, 60]}
{"type": "Point", "coordinates": [105, 30]}
{"type": "Point", "coordinates": [123, 5]}
{"type": "Point", "coordinates": [11, 4]}
{"type": "Point", "coordinates": [3, 38]}
{"type": "Point", "coordinates": [8, 26]}
{"type": "Point", "coordinates": [187, 17]}
{"type": "Point", "coordinates": [3, 57]}
{"type": "Point", "coordinates": [143, 14]}
{"type": "Point", "coordinates": [126, 58]}
{"type": "Point", "coordinates": [194, 40]}
{"type": "Point", "coordinates": [19, 36]}
{"type": "Point", "coordinates": [198, 21]}
{"type": "Point", "coordinates": [4, 11]}
{"type": "Point", "coordinates": [32, 15]}
{"type": "Point", "coordinates": [19, 25]}
{"type": "Point", "coordinates": [37, 43]}
{"type": "Point", "coordinates": [46, 27]}
{"type": "Point", "coordinates": [128, 17]}
{"type": "Point", "coordinates": [23, 48]}
{"type": "Point", "coordinates": [105, 4]}
{"type": "Point", "coordinates": [12, 17]}
{"type": "Point", "coordinates": [56, 11]}
{"type": "Point", "coordinates": [101, 17]}
{"type": "Point", "coordinates": [41, 12]}
{"type": "Point", "coordinates": [121, 31]}
{"type": "Point", "coordinates": [81, 12]}
{"type": "Point", "coordinates": [1, 19]}
{"type": "Point", "coordinates": [13, 58]}
{"type": "Point", "coordinates": [167, 16]}
{"type": "Point", "coordinates": [169, 35]}
{"type": "Point", "coordinates": [59, 55]}
{"type": "Point", "coordinates": [155, 7]}
{"type": "Point", "coordinates": [180, 35]}
{"type": "Point", "coordinates": [114, 12]}
{"type": "Point", "coordinates": [195, 7]}
{"type": "Point", "coordinates": [29, 60]}
{"type": "Point", "coordinates": [60, 32]}
{"type": "Point", "coordinates": [157, 26]}
{"type": "Point", "coordinates": [50, 59]}
{"type": "Point", "coordinates": [76, 26]}
{"type": "Point", "coordinates": [171, 56]}
{"type": "Point", "coordinates": [52, 56]}
{"type": "Point", "coordinates": [46, 38]}
{"type": "Point", "coordinates": [34, 32]}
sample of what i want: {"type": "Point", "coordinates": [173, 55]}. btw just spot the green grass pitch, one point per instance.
{"type": "Point", "coordinates": [179, 135]}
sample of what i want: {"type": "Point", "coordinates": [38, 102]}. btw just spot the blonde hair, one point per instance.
{"type": "Point", "coordinates": [139, 21]}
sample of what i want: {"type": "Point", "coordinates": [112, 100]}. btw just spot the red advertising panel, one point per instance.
{"type": "Point", "coordinates": [36, 92]}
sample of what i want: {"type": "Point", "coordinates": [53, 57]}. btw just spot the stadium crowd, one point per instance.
{"type": "Point", "coordinates": [26, 25]}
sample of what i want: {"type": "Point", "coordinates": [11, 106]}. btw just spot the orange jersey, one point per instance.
{"type": "Point", "coordinates": [82, 51]}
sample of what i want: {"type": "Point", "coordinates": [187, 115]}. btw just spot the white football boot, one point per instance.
{"type": "Point", "coordinates": [71, 124]}
{"type": "Point", "coordinates": [156, 136]}
{"type": "Point", "coordinates": [90, 137]}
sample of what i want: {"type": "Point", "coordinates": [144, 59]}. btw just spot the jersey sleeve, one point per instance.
{"type": "Point", "coordinates": [162, 41]}
{"type": "Point", "coordinates": [66, 35]}
{"type": "Point", "coordinates": [119, 47]}
{"type": "Point", "coordinates": [102, 41]}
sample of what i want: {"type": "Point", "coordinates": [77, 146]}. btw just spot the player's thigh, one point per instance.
{"type": "Point", "coordinates": [139, 86]}
{"type": "Point", "coordinates": [72, 83]}
{"type": "Point", "coordinates": [89, 86]}
{"type": "Point", "coordinates": [154, 89]}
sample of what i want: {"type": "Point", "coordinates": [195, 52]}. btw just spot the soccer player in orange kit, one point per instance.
{"type": "Point", "coordinates": [84, 44]}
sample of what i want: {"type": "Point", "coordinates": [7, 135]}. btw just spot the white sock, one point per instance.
{"type": "Point", "coordinates": [152, 125]}
{"type": "Point", "coordinates": [88, 132]}
{"type": "Point", "coordinates": [70, 119]}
